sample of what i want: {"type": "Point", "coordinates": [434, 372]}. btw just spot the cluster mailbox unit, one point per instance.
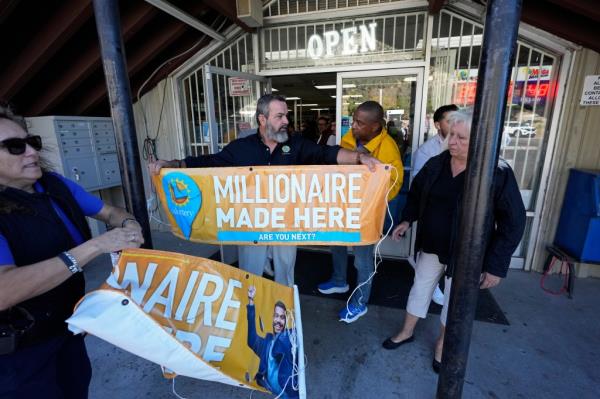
{"type": "Point", "coordinates": [82, 149]}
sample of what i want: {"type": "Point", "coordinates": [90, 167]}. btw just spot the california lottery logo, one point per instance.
{"type": "Point", "coordinates": [179, 192]}
{"type": "Point", "coordinates": [184, 200]}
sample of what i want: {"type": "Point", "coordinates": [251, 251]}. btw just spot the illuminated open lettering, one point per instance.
{"type": "Point", "coordinates": [327, 46]}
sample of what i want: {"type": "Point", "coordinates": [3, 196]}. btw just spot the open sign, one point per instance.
{"type": "Point", "coordinates": [346, 38]}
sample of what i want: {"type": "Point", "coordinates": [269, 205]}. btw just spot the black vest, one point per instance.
{"type": "Point", "coordinates": [36, 234]}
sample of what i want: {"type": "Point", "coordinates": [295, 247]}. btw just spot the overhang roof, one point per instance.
{"type": "Point", "coordinates": [51, 60]}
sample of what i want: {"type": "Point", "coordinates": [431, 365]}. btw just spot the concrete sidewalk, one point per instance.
{"type": "Point", "coordinates": [550, 350]}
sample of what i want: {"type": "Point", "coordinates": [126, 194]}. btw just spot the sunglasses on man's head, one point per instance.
{"type": "Point", "coordinates": [17, 146]}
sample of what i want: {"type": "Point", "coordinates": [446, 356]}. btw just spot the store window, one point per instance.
{"type": "Point", "coordinates": [455, 54]}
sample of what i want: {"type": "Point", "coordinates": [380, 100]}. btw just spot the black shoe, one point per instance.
{"type": "Point", "coordinates": [436, 366]}
{"type": "Point", "coordinates": [389, 344]}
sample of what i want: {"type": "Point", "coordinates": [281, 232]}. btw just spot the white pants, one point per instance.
{"type": "Point", "coordinates": [428, 272]}
{"type": "Point", "coordinates": [254, 258]}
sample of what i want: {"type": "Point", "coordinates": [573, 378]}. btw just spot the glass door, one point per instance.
{"type": "Point", "coordinates": [399, 91]}
{"type": "Point", "coordinates": [231, 98]}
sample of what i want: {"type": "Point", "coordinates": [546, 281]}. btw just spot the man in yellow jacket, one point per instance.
{"type": "Point", "coordinates": [368, 134]}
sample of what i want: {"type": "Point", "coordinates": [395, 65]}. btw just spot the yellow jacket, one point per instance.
{"type": "Point", "coordinates": [384, 148]}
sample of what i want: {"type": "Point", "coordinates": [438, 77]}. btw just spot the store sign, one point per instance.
{"type": "Point", "coordinates": [523, 74]}
{"type": "Point", "coordinates": [534, 73]}
{"type": "Point", "coordinates": [328, 45]}
{"type": "Point", "coordinates": [239, 87]}
{"type": "Point", "coordinates": [532, 86]}
{"type": "Point", "coordinates": [526, 92]}
{"type": "Point", "coordinates": [591, 90]}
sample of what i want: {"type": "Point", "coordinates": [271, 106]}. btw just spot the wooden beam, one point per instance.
{"type": "Point", "coordinates": [435, 6]}
{"type": "Point", "coordinates": [587, 8]}
{"type": "Point", "coordinates": [87, 63]}
{"type": "Point", "coordinates": [570, 26]}
{"type": "Point", "coordinates": [228, 8]}
{"type": "Point", "coordinates": [50, 38]}
{"type": "Point", "coordinates": [6, 8]}
{"type": "Point", "coordinates": [189, 19]}
{"type": "Point", "coordinates": [135, 61]}
{"type": "Point", "coordinates": [181, 47]}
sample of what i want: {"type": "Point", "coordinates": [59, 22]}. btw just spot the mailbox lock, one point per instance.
{"type": "Point", "coordinates": [76, 174]}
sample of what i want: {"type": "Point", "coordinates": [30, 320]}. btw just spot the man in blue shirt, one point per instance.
{"type": "Point", "coordinates": [275, 371]}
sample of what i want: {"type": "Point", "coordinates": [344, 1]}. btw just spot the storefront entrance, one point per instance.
{"type": "Point", "coordinates": [231, 102]}
{"type": "Point", "coordinates": [407, 60]}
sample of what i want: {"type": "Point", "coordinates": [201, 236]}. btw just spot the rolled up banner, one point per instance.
{"type": "Point", "coordinates": [198, 318]}
{"type": "Point", "coordinates": [276, 205]}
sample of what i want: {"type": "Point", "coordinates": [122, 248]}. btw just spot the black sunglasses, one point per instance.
{"type": "Point", "coordinates": [17, 146]}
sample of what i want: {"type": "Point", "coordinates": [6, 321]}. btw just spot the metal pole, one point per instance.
{"type": "Point", "coordinates": [119, 94]}
{"type": "Point", "coordinates": [498, 49]}
{"type": "Point", "coordinates": [295, 114]}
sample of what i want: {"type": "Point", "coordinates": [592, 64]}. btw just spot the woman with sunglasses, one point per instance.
{"type": "Point", "coordinates": [44, 244]}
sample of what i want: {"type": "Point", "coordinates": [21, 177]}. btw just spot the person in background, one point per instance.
{"type": "Point", "coordinates": [393, 132]}
{"type": "Point", "coordinates": [45, 243]}
{"type": "Point", "coordinates": [309, 130]}
{"type": "Point", "coordinates": [368, 134]}
{"type": "Point", "coordinates": [431, 148]}
{"type": "Point", "coordinates": [333, 125]}
{"type": "Point", "coordinates": [271, 145]}
{"type": "Point", "coordinates": [434, 201]}
{"type": "Point", "coordinates": [290, 128]}
{"type": "Point", "coordinates": [326, 136]}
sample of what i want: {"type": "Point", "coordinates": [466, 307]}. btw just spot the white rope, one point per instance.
{"type": "Point", "coordinates": [155, 210]}
{"type": "Point", "coordinates": [174, 392]}
{"type": "Point", "coordinates": [293, 337]}
{"type": "Point", "coordinates": [377, 258]}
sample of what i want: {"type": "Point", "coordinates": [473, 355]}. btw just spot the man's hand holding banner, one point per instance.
{"type": "Point", "coordinates": [317, 205]}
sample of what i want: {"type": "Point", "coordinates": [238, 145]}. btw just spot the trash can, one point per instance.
{"type": "Point", "coordinates": [578, 232]}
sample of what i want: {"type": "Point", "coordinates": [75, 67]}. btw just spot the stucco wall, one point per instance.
{"type": "Point", "coordinates": [577, 146]}
{"type": "Point", "coordinates": [168, 143]}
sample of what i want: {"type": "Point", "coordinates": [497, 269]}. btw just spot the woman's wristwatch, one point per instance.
{"type": "Point", "coordinates": [70, 262]}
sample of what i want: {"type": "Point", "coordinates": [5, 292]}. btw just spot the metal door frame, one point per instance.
{"type": "Point", "coordinates": [419, 110]}
{"type": "Point", "coordinates": [209, 97]}
{"type": "Point", "coordinates": [418, 122]}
